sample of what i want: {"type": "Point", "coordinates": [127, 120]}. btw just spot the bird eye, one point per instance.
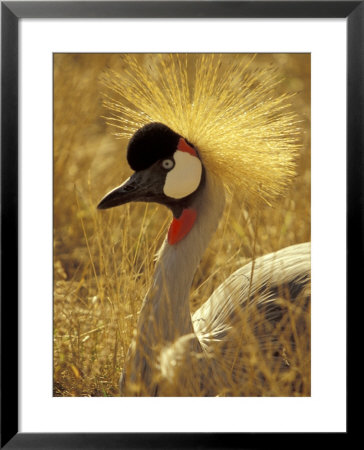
{"type": "Point", "coordinates": [167, 164]}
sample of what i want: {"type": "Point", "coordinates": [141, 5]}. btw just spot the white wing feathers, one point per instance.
{"type": "Point", "coordinates": [257, 283]}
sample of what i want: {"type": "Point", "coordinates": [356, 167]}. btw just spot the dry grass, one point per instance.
{"type": "Point", "coordinates": [103, 262]}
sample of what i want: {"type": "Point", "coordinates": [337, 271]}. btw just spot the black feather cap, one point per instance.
{"type": "Point", "coordinates": [151, 143]}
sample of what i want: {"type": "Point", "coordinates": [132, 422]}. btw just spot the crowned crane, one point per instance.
{"type": "Point", "coordinates": [195, 128]}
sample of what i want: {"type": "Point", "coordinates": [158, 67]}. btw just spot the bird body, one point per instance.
{"type": "Point", "coordinates": [210, 352]}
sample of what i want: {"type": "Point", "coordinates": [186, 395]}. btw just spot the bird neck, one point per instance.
{"type": "Point", "coordinates": [166, 307]}
{"type": "Point", "coordinates": [165, 314]}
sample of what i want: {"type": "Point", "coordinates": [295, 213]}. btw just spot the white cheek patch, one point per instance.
{"type": "Point", "coordinates": [185, 176]}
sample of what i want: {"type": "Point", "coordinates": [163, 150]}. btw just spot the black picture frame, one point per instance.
{"type": "Point", "coordinates": [11, 12]}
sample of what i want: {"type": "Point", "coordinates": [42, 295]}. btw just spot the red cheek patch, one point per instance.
{"type": "Point", "coordinates": [181, 227]}
{"type": "Point", "coordinates": [184, 147]}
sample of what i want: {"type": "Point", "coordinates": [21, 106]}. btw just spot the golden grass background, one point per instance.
{"type": "Point", "coordinates": [103, 261]}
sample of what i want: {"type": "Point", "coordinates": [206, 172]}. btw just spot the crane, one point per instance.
{"type": "Point", "coordinates": [196, 128]}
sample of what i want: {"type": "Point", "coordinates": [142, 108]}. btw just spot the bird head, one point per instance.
{"type": "Point", "coordinates": [245, 131]}
{"type": "Point", "coordinates": [167, 170]}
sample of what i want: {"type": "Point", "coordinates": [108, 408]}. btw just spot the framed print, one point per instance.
{"type": "Point", "coordinates": [87, 87]}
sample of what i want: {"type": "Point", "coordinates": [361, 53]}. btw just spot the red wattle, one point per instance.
{"type": "Point", "coordinates": [182, 226]}
{"type": "Point", "coordinates": [184, 147]}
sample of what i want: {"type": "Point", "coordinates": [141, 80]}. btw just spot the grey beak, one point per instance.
{"type": "Point", "coordinates": [131, 190]}
{"type": "Point", "coordinates": [142, 186]}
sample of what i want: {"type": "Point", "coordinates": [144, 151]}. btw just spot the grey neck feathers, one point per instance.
{"type": "Point", "coordinates": [165, 314]}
